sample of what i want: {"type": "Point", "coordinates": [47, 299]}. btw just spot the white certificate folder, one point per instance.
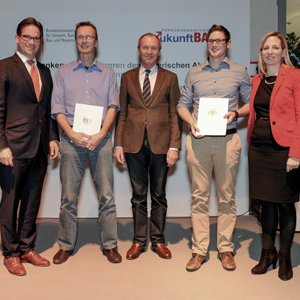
{"type": "Point", "coordinates": [211, 116]}
{"type": "Point", "coordinates": [87, 118]}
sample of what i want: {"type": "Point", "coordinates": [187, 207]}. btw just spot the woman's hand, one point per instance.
{"type": "Point", "coordinates": [292, 163]}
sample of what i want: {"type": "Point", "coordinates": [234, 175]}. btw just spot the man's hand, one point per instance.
{"type": "Point", "coordinates": [230, 116]}
{"type": "Point", "coordinates": [119, 155]}
{"type": "Point", "coordinates": [292, 163]}
{"type": "Point", "coordinates": [95, 140]}
{"type": "Point", "coordinates": [54, 150]}
{"type": "Point", "coordinates": [6, 157]}
{"type": "Point", "coordinates": [186, 116]}
{"type": "Point", "coordinates": [196, 131]}
{"type": "Point", "coordinates": [172, 157]}
{"type": "Point", "coordinates": [80, 139]}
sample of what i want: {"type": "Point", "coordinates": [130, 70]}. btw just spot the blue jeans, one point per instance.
{"type": "Point", "coordinates": [73, 160]}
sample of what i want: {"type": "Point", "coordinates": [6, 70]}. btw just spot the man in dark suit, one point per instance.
{"type": "Point", "coordinates": [26, 131]}
{"type": "Point", "coordinates": [149, 137]}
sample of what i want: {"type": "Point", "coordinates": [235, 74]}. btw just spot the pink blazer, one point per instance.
{"type": "Point", "coordinates": [284, 109]}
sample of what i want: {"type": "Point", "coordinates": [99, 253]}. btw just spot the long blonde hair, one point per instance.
{"type": "Point", "coordinates": [286, 59]}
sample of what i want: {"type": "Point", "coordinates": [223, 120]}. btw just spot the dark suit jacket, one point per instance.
{"type": "Point", "coordinates": [160, 115]}
{"type": "Point", "coordinates": [24, 121]}
{"type": "Point", "coordinates": [284, 109]}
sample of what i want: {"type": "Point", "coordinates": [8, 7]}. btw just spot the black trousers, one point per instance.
{"type": "Point", "coordinates": [141, 166]}
{"type": "Point", "coordinates": [21, 184]}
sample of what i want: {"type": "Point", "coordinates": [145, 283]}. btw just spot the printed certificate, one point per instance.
{"type": "Point", "coordinates": [87, 118]}
{"type": "Point", "coordinates": [211, 114]}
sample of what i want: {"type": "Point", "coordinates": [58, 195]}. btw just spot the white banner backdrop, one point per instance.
{"type": "Point", "coordinates": [182, 27]}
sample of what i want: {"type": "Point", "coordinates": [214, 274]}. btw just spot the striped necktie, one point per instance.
{"type": "Point", "coordinates": [147, 87]}
{"type": "Point", "coordinates": [35, 78]}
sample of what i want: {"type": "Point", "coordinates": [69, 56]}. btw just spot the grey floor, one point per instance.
{"type": "Point", "coordinates": [88, 275]}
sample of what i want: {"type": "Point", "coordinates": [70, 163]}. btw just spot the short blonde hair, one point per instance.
{"type": "Point", "coordinates": [286, 59]}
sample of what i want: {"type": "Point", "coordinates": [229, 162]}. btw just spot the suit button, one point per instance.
{"type": "Point", "coordinates": [40, 120]}
{"type": "Point", "coordinates": [273, 122]}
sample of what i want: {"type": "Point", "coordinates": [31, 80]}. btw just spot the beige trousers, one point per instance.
{"type": "Point", "coordinates": [221, 154]}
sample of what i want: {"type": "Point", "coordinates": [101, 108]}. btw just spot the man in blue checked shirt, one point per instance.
{"type": "Point", "coordinates": [90, 82]}
{"type": "Point", "coordinates": [217, 77]}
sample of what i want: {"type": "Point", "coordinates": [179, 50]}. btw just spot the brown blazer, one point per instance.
{"type": "Point", "coordinates": [160, 115]}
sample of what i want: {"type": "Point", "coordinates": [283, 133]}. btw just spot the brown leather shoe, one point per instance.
{"type": "Point", "coordinates": [34, 258]}
{"type": "Point", "coordinates": [195, 262]}
{"type": "Point", "coordinates": [14, 266]}
{"type": "Point", "coordinates": [61, 256]}
{"type": "Point", "coordinates": [227, 259]}
{"type": "Point", "coordinates": [113, 255]}
{"type": "Point", "coordinates": [135, 251]}
{"type": "Point", "coordinates": [162, 251]}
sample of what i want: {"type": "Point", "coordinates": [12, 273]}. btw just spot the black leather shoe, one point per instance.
{"type": "Point", "coordinates": [61, 256]}
{"type": "Point", "coordinates": [113, 255]}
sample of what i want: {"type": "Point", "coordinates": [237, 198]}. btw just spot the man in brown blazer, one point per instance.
{"type": "Point", "coordinates": [148, 135]}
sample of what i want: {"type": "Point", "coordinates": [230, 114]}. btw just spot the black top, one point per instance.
{"type": "Point", "coordinates": [262, 133]}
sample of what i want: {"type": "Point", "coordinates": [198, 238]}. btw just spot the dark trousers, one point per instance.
{"type": "Point", "coordinates": [21, 185]}
{"type": "Point", "coordinates": [141, 165]}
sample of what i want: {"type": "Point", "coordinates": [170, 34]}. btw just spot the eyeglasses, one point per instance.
{"type": "Point", "coordinates": [218, 41]}
{"type": "Point", "coordinates": [89, 38]}
{"type": "Point", "coordinates": [28, 38]}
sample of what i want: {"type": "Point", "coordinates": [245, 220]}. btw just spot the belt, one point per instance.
{"type": "Point", "coordinates": [231, 131]}
{"type": "Point", "coordinates": [263, 118]}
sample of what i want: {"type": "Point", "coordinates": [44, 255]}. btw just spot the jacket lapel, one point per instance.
{"type": "Point", "coordinates": [136, 82]}
{"type": "Point", "coordinates": [158, 83]}
{"type": "Point", "coordinates": [23, 70]}
{"type": "Point", "coordinates": [255, 84]}
{"type": "Point", "coordinates": [43, 80]}
{"type": "Point", "coordinates": [280, 79]}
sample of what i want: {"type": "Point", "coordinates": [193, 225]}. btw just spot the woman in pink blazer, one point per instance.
{"type": "Point", "coordinates": [274, 150]}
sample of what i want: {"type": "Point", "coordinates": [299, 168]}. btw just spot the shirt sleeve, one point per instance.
{"type": "Point", "coordinates": [186, 98]}
{"type": "Point", "coordinates": [245, 87]}
{"type": "Point", "coordinates": [58, 95]}
{"type": "Point", "coordinates": [113, 93]}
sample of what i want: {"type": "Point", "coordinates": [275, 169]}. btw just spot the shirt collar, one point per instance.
{"type": "Point", "coordinates": [80, 66]}
{"type": "Point", "coordinates": [153, 70]}
{"type": "Point", "coordinates": [24, 58]}
{"type": "Point", "coordinates": [225, 64]}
